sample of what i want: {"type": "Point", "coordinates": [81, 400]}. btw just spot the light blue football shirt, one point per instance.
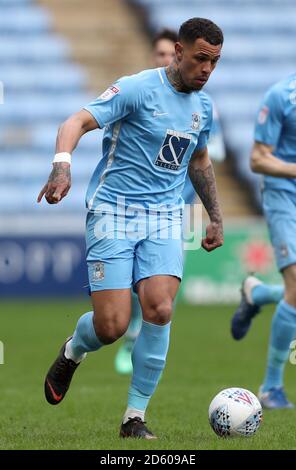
{"type": "Point", "coordinates": [276, 126]}
{"type": "Point", "coordinates": [151, 131]}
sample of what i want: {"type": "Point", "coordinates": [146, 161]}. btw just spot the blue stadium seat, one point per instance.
{"type": "Point", "coordinates": [257, 20]}
{"type": "Point", "coordinates": [21, 21]}
{"type": "Point", "coordinates": [42, 87]}
{"type": "Point", "coordinates": [21, 198]}
{"type": "Point", "coordinates": [35, 166]}
{"type": "Point", "coordinates": [35, 108]}
{"type": "Point", "coordinates": [46, 78]}
{"type": "Point", "coordinates": [247, 78]}
{"type": "Point", "coordinates": [13, 3]}
{"type": "Point", "coordinates": [46, 49]}
{"type": "Point", "coordinates": [238, 49]}
{"type": "Point", "coordinates": [43, 137]}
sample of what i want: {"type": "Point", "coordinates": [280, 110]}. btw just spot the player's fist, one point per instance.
{"type": "Point", "coordinates": [58, 185]}
{"type": "Point", "coordinates": [214, 236]}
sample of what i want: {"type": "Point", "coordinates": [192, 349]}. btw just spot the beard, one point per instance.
{"type": "Point", "coordinates": [176, 78]}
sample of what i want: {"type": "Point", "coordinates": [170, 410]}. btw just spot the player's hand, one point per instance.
{"type": "Point", "coordinates": [58, 185]}
{"type": "Point", "coordinates": [214, 236]}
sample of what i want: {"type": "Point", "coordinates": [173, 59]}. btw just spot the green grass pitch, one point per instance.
{"type": "Point", "coordinates": [202, 360]}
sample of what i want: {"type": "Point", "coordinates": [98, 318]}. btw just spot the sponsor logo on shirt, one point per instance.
{"type": "Point", "coordinates": [262, 116]}
{"type": "Point", "coordinates": [173, 150]}
{"type": "Point", "coordinates": [109, 93]}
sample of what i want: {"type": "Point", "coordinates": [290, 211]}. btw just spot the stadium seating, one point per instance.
{"type": "Point", "coordinates": [258, 51]}
{"type": "Point", "coordinates": [24, 19]}
{"type": "Point", "coordinates": [51, 50]}
{"type": "Point", "coordinates": [46, 78]}
{"type": "Point", "coordinates": [42, 87]}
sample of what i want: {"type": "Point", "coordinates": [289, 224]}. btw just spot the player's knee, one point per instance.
{"type": "Point", "coordinates": [108, 331]}
{"type": "Point", "coordinates": [109, 335]}
{"type": "Point", "coordinates": [160, 313]}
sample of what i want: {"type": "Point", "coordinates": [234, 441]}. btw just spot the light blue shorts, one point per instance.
{"type": "Point", "coordinates": [122, 251]}
{"type": "Point", "coordinates": [280, 212]}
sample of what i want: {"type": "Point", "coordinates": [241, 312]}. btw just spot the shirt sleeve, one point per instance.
{"type": "Point", "coordinates": [270, 118]}
{"type": "Point", "coordinates": [117, 102]}
{"type": "Point", "coordinates": [205, 132]}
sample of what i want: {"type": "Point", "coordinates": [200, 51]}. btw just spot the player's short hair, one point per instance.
{"type": "Point", "coordinates": [166, 33]}
{"type": "Point", "coordinates": [200, 28]}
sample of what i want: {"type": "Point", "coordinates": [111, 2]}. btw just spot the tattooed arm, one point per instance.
{"type": "Point", "coordinates": [202, 177]}
{"type": "Point", "coordinates": [69, 134]}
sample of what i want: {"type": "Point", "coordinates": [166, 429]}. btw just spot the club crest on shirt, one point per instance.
{"type": "Point", "coordinates": [98, 271]}
{"type": "Point", "coordinates": [109, 93]}
{"type": "Point", "coordinates": [262, 116]}
{"type": "Point", "coordinates": [195, 121]}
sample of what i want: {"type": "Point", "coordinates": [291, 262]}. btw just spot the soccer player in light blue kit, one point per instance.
{"type": "Point", "coordinates": [274, 156]}
{"type": "Point", "coordinates": [156, 127]}
{"type": "Point", "coordinates": [163, 54]}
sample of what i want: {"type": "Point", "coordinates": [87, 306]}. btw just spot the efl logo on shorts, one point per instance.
{"type": "Point", "coordinates": [173, 150]}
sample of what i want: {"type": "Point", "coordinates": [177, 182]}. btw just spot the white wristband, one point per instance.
{"type": "Point", "coordinates": [62, 157]}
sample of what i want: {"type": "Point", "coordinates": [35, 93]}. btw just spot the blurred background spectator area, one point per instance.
{"type": "Point", "coordinates": [56, 55]}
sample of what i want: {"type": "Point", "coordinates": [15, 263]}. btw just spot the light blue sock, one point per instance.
{"type": "Point", "coordinates": [283, 331]}
{"type": "Point", "coordinates": [136, 319]}
{"type": "Point", "coordinates": [84, 337]}
{"type": "Point", "coordinates": [149, 357]}
{"type": "Point", "coordinates": [264, 294]}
